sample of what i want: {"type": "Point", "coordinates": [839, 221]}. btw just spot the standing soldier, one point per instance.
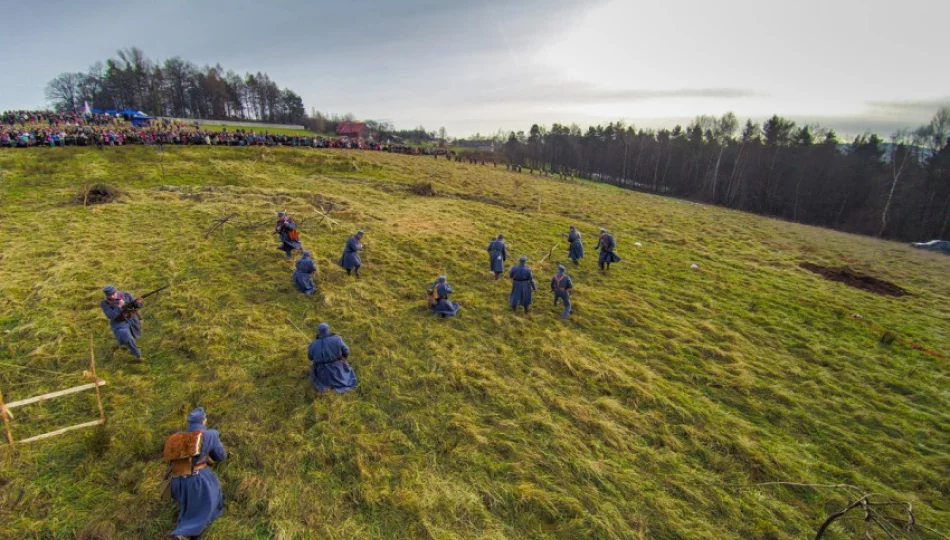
{"type": "Point", "coordinates": [561, 285]}
{"type": "Point", "coordinates": [498, 254]}
{"type": "Point", "coordinates": [576, 249]}
{"type": "Point", "coordinates": [606, 245]}
{"type": "Point", "coordinates": [289, 236]}
{"type": "Point", "coordinates": [122, 310]}
{"type": "Point", "coordinates": [193, 485]}
{"type": "Point", "coordinates": [522, 286]}
{"type": "Point", "coordinates": [329, 369]}
{"type": "Point", "coordinates": [350, 261]}
{"type": "Point", "coordinates": [303, 275]}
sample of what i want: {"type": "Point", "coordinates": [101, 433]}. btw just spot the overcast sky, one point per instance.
{"type": "Point", "coordinates": [480, 66]}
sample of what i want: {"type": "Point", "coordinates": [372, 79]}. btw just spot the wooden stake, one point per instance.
{"type": "Point", "coordinates": [6, 421]}
{"type": "Point", "coordinates": [304, 334]}
{"type": "Point", "coordinates": [92, 367]}
{"type": "Point", "coordinates": [550, 252]}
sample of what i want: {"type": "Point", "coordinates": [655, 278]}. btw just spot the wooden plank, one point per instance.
{"type": "Point", "coordinates": [6, 421]}
{"type": "Point", "coordinates": [52, 395]}
{"type": "Point", "coordinates": [64, 430]}
{"type": "Point", "coordinates": [92, 366]}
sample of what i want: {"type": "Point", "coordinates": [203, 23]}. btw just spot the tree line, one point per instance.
{"type": "Point", "coordinates": [898, 189]}
{"type": "Point", "coordinates": [179, 88]}
{"type": "Point", "coordinates": [175, 87]}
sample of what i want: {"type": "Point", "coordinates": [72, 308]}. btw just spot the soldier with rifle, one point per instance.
{"type": "Point", "coordinates": [289, 236]}
{"type": "Point", "coordinates": [607, 246]}
{"type": "Point", "coordinates": [121, 308]}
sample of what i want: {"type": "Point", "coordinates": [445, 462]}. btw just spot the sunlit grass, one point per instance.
{"type": "Point", "coordinates": [634, 419]}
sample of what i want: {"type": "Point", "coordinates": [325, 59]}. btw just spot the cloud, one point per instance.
{"type": "Point", "coordinates": [909, 108]}
{"type": "Point", "coordinates": [588, 94]}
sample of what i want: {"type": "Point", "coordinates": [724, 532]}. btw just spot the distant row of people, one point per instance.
{"type": "Point", "coordinates": [60, 136]}
{"type": "Point", "coordinates": [87, 135]}
{"type": "Point", "coordinates": [56, 119]}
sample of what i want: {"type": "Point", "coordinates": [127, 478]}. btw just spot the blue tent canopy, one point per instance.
{"type": "Point", "coordinates": [140, 119]}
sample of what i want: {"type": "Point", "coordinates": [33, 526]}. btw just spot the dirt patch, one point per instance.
{"type": "Point", "coordinates": [97, 194]}
{"type": "Point", "coordinates": [851, 278]}
{"type": "Point", "coordinates": [423, 189]}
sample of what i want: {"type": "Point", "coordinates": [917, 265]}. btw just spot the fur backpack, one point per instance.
{"type": "Point", "coordinates": [180, 449]}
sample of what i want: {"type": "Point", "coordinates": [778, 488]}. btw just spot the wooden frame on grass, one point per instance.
{"type": "Point", "coordinates": [91, 374]}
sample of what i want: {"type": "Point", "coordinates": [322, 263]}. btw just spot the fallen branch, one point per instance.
{"type": "Point", "coordinates": [871, 515]}
{"type": "Point", "coordinates": [326, 216]}
{"type": "Point", "coordinates": [219, 223]}
{"type": "Point", "coordinates": [831, 519]}
{"type": "Point", "coordinates": [550, 252]}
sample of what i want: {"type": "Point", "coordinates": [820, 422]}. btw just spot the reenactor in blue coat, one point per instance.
{"type": "Point", "coordinates": [193, 485]}
{"type": "Point", "coordinates": [350, 261]}
{"type": "Point", "coordinates": [122, 310]}
{"type": "Point", "coordinates": [561, 285]}
{"type": "Point", "coordinates": [329, 369]}
{"type": "Point", "coordinates": [289, 236]}
{"type": "Point", "coordinates": [522, 286]}
{"type": "Point", "coordinates": [576, 247]}
{"type": "Point", "coordinates": [497, 255]}
{"type": "Point", "coordinates": [303, 274]}
{"type": "Point", "coordinates": [607, 245]}
{"type": "Point", "coordinates": [440, 298]}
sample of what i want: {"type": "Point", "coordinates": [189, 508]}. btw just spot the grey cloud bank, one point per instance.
{"type": "Point", "coordinates": [477, 67]}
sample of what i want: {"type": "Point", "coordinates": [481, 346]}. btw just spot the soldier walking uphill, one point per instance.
{"type": "Point", "coordinates": [122, 310]}
{"type": "Point", "coordinates": [289, 236]}
{"type": "Point", "coordinates": [522, 286]}
{"type": "Point", "coordinates": [576, 249]}
{"type": "Point", "coordinates": [303, 275]}
{"type": "Point", "coordinates": [561, 285]}
{"type": "Point", "coordinates": [329, 369]}
{"type": "Point", "coordinates": [193, 485]}
{"type": "Point", "coordinates": [497, 255]}
{"type": "Point", "coordinates": [350, 261]}
{"type": "Point", "coordinates": [606, 244]}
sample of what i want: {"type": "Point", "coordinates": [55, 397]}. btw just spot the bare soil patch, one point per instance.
{"type": "Point", "coordinates": [853, 278]}
{"type": "Point", "coordinates": [97, 194]}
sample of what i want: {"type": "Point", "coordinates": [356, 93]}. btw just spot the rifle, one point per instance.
{"type": "Point", "coordinates": [129, 309]}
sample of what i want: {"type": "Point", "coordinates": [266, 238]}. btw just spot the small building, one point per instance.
{"type": "Point", "coordinates": [353, 130]}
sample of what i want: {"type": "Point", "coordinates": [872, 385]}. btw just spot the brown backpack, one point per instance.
{"type": "Point", "coordinates": [180, 448]}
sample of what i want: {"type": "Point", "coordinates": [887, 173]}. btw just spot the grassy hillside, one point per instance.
{"type": "Point", "coordinates": [223, 124]}
{"type": "Point", "coordinates": [272, 130]}
{"type": "Point", "coordinates": [647, 415]}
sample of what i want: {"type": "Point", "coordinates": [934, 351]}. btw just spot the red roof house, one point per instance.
{"type": "Point", "coordinates": [353, 130]}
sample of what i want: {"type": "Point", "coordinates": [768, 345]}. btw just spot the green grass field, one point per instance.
{"type": "Point", "coordinates": [272, 131]}
{"type": "Point", "coordinates": [223, 124]}
{"type": "Point", "coordinates": [653, 413]}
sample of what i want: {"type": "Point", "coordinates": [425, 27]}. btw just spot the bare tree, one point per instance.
{"type": "Point", "coordinates": [723, 132]}
{"type": "Point", "coordinates": [63, 91]}
{"type": "Point", "coordinates": [900, 151]}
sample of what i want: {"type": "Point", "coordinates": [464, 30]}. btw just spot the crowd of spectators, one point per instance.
{"type": "Point", "coordinates": [24, 129]}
